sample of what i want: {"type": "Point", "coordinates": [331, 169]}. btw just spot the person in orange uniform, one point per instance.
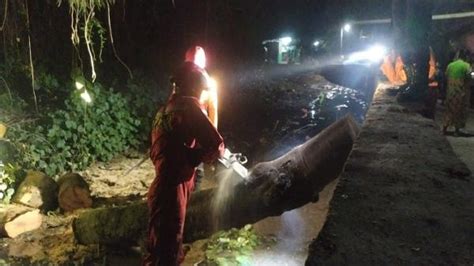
{"type": "Point", "coordinates": [393, 68]}
{"type": "Point", "coordinates": [209, 101]}
{"type": "Point", "coordinates": [182, 137]}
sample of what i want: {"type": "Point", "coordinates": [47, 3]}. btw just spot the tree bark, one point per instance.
{"type": "Point", "coordinates": [73, 193]}
{"type": "Point", "coordinates": [272, 188]}
{"type": "Point", "coordinates": [419, 15]}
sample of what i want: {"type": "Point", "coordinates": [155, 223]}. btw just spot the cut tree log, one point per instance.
{"type": "Point", "coordinates": [37, 191]}
{"type": "Point", "coordinates": [74, 192]}
{"type": "Point", "coordinates": [17, 219]}
{"type": "Point", "coordinates": [272, 188]}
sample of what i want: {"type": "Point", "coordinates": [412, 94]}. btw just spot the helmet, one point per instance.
{"type": "Point", "coordinates": [196, 55]}
{"type": "Point", "coordinates": [189, 79]}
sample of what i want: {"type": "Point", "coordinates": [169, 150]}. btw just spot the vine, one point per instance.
{"type": "Point", "coordinates": [83, 12]}
{"type": "Point", "coordinates": [30, 55]}
{"type": "Point", "coordinates": [113, 45]}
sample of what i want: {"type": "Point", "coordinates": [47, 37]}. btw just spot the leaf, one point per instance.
{"type": "Point", "coordinates": [70, 124]}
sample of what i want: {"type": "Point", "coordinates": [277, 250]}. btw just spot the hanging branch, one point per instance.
{"type": "Point", "coordinates": [4, 15]}
{"type": "Point", "coordinates": [113, 45]}
{"type": "Point", "coordinates": [75, 35]}
{"type": "Point", "coordinates": [83, 11]}
{"type": "Point", "coordinates": [89, 43]}
{"type": "Point", "coordinates": [32, 69]}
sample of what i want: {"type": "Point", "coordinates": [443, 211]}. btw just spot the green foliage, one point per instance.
{"type": "Point", "coordinates": [97, 33]}
{"type": "Point", "coordinates": [9, 180]}
{"type": "Point", "coordinates": [145, 97]}
{"type": "Point", "coordinates": [231, 247]}
{"type": "Point", "coordinates": [72, 138]}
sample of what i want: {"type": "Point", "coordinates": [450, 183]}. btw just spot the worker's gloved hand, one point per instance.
{"type": "Point", "coordinates": [194, 156]}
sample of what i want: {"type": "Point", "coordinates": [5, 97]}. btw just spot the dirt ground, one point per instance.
{"type": "Point", "coordinates": [404, 198]}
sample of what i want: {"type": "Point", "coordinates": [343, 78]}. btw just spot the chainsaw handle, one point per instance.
{"type": "Point", "coordinates": [242, 159]}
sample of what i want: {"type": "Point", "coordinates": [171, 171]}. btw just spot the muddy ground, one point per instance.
{"type": "Point", "coordinates": [404, 198]}
{"type": "Point", "coordinates": [263, 119]}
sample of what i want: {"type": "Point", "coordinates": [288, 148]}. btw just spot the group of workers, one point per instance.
{"type": "Point", "coordinates": [184, 135]}
{"type": "Point", "coordinates": [457, 88]}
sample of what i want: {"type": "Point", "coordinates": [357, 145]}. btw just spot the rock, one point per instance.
{"type": "Point", "coordinates": [37, 191]}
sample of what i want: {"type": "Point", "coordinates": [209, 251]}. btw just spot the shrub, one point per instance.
{"type": "Point", "coordinates": [10, 178]}
{"type": "Point", "coordinates": [231, 247]}
{"type": "Point", "coordinates": [72, 138]}
{"type": "Point", "coordinates": [146, 97]}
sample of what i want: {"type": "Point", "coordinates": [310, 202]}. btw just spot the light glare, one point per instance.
{"type": "Point", "coordinates": [316, 43]}
{"type": "Point", "coordinates": [286, 40]}
{"type": "Point", "coordinates": [347, 27]}
{"type": "Point", "coordinates": [86, 97]}
{"type": "Point", "coordinates": [374, 54]}
{"type": "Point", "coordinates": [79, 85]}
{"type": "Point", "coordinates": [200, 58]}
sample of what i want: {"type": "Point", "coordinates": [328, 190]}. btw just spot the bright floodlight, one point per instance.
{"type": "Point", "coordinates": [316, 43]}
{"type": "Point", "coordinates": [372, 55]}
{"type": "Point", "coordinates": [285, 40]}
{"type": "Point", "coordinates": [200, 58]}
{"type": "Point", "coordinates": [376, 52]}
{"type": "Point", "coordinates": [86, 97]}
{"type": "Point", "coordinates": [347, 27]}
{"type": "Point", "coordinates": [79, 85]}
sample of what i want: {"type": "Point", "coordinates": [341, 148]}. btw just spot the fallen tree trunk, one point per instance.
{"type": "Point", "coordinates": [273, 187]}
{"type": "Point", "coordinates": [74, 192]}
{"type": "Point", "coordinates": [17, 219]}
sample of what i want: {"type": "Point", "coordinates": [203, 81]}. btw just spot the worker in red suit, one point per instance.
{"type": "Point", "coordinates": [182, 137]}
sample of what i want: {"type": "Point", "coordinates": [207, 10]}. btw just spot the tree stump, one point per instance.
{"type": "Point", "coordinates": [17, 219]}
{"type": "Point", "coordinates": [74, 192]}
{"type": "Point", "coordinates": [272, 188]}
{"type": "Point", "coordinates": [37, 191]}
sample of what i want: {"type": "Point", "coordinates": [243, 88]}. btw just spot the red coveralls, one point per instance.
{"type": "Point", "coordinates": [182, 138]}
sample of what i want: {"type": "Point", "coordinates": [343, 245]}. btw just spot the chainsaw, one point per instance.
{"type": "Point", "coordinates": [234, 161]}
{"type": "Point", "coordinates": [229, 160]}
